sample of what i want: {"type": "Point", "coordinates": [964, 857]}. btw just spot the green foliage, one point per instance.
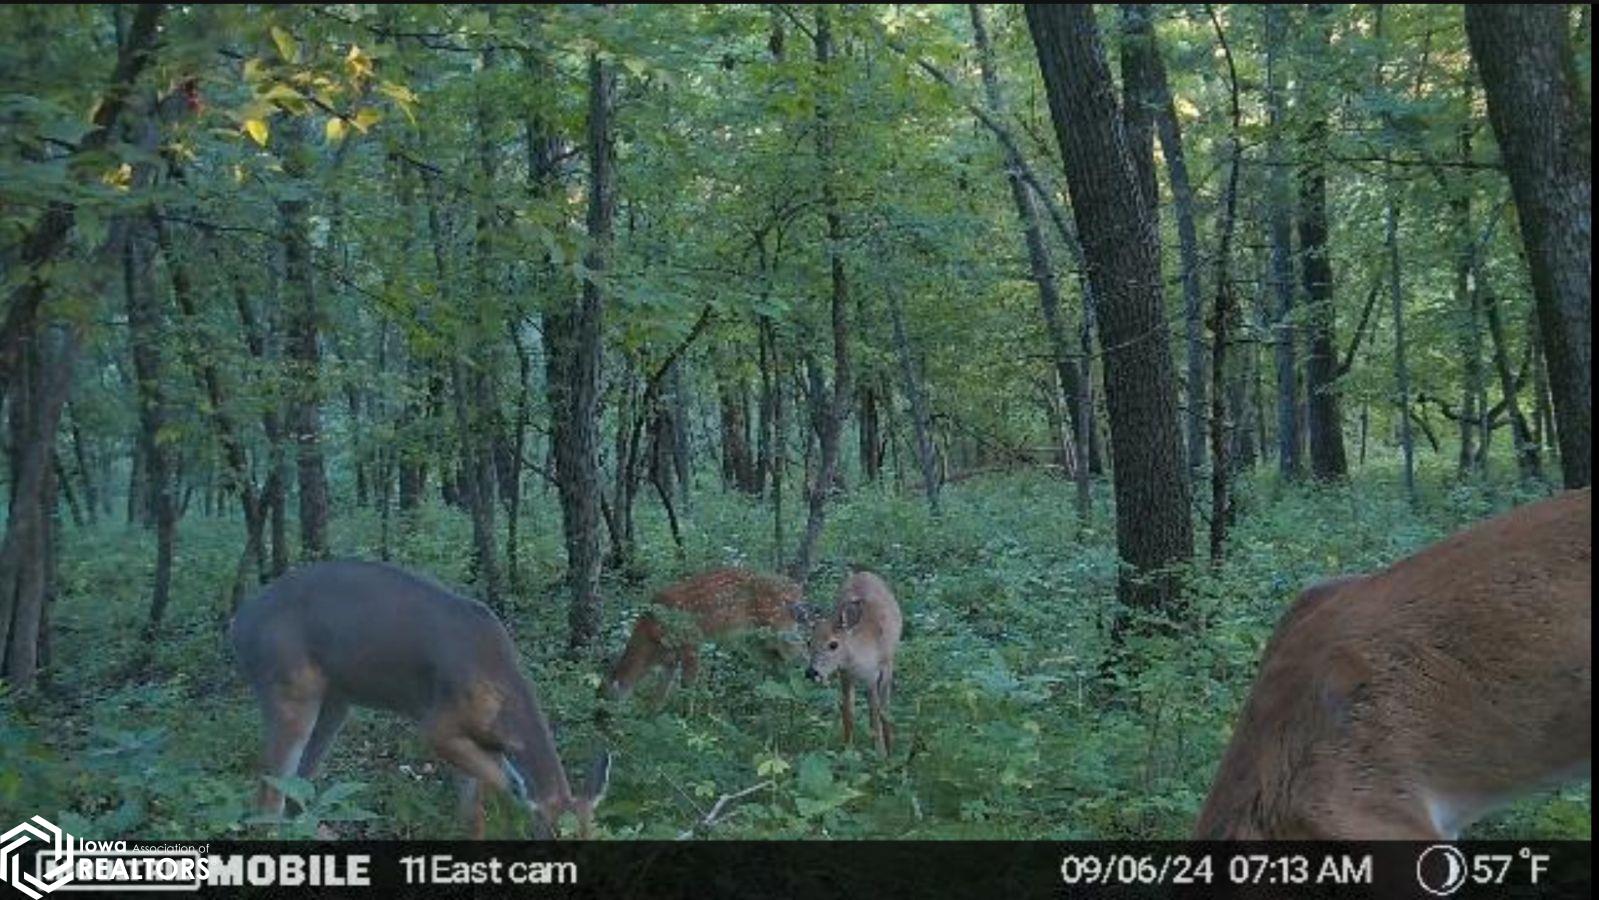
{"type": "Point", "coordinates": [1004, 729]}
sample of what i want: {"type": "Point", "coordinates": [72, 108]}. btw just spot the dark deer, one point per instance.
{"type": "Point", "coordinates": [333, 635]}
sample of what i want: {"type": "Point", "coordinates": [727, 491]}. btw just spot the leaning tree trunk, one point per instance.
{"type": "Point", "coordinates": [1041, 266]}
{"type": "Point", "coordinates": [1154, 533]}
{"type": "Point", "coordinates": [1539, 107]}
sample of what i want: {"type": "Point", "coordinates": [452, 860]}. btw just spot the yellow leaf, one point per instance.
{"type": "Point", "coordinates": [288, 48]}
{"type": "Point", "coordinates": [335, 130]}
{"type": "Point", "coordinates": [282, 92]}
{"type": "Point", "coordinates": [252, 69]}
{"type": "Point", "coordinates": [119, 178]}
{"type": "Point", "coordinates": [257, 130]}
{"type": "Point", "coordinates": [366, 118]}
{"type": "Point", "coordinates": [238, 174]}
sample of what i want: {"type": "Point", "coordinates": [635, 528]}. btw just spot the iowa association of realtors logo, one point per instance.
{"type": "Point", "coordinates": [55, 865]}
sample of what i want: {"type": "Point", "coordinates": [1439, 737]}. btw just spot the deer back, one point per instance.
{"type": "Point", "coordinates": [1458, 678]}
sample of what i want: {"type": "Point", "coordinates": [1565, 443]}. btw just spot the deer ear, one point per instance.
{"type": "Point", "coordinates": [851, 613]}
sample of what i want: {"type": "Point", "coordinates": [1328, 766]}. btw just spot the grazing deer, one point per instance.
{"type": "Point", "coordinates": [711, 604]}
{"type": "Point", "coordinates": [859, 641]}
{"type": "Point", "coordinates": [1408, 703]}
{"type": "Point", "coordinates": [333, 635]}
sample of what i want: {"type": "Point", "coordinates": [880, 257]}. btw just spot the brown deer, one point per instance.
{"type": "Point", "coordinates": [859, 641]}
{"type": "Point", "coordinates": [1408, 703]}
{"type": "Point", "coordinates": [333, 635]}
{"type": "Point", "coordinates": [712, 604]}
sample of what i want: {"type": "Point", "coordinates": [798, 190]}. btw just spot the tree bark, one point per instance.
{"type": "Point", "coordinates": [574, 382]}
{"type": "Point", "coordinates": [1154, 533]}
{"type": "Point", "coordinates": [304, 354]}
{"type": "Point", "coordinates": [1040, 264]}
{"type": "Point", "coordinates": [827, 413]}
{"type": "Point", "coordinates": [1290, 450]}
{"type": "Point", "coordinates": [1539, 109]}
{"type": "Point", "coordinates": [921, 419]}
{"type": "Point", "coordinates": [1326, 429]}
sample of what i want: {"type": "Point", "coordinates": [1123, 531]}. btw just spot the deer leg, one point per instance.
{"type": "Point", "coordinates": [874, 707]}
{"type": "Point", "coordinates": [328, 722]}
{"type": "Point", "coordinates": [689, 659]}
{"type": "Point", "coordinates": [470, 805]}
{"type": "Point", "coordinates": [878, 705]}
{"type": "Point", "coordinates": [289, 722]}
{"type": "Point", "coordinates": [477, 762]}
{"type": "Point", "coordinates": [846, 705]}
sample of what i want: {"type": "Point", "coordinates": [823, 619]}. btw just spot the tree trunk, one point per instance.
{"type": "Point", "coordinates": [1154, 532]}
{"type": "Point", "coordinates": [1154, 92]}
{"type": "Point", "coordinates": [1290, 450]}
{"type": "Point", "coordinates": [1041, 266]}
{"type": "Point", "coordinates": [921, 419]}
{"type": "Point", "coordinates": [574, 378]}
{"type": "Point", "coordinates": [144, 336]}
{"type": "Point", "coordinates": [827, 413]}
{"type": "Point", "coordinates": [1526, 448]}
{"type": "Point", "coordinates": [304, 354]}
{"type": "Point", "coordinates": [1539, 107]}
{"type": "Point", "coordinates": [43, 375]}
{"type": "Point", "coordinates": [1326, 429]}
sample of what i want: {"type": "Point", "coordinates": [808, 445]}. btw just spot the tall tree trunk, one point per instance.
{"type": "Point", "coordinates": [1222, 314]}
{"type": "Point", "coordinates": [144, 337]}
{"type": "Point", "coordinates": [1326, 428]}
{"type": "Point", "coordinates": [1539, 108]}
{"type": "Point", "coordinates": [574, 381]}
{"type": "Point", "coordinates": [921, 418]}
{"type": "Point", "coordinates": [1154, 533]}
{"type": "Point", "coordinates": [1157, 95]}
{"type": "Point", "coordinates": [1290, 450]}
{"type": "Point", "coordinates": [827, 413]}
{"type": "Point", "coordinates": [304, 353]}
{"type": "Point", "coordinates": [43, 376]}
{"type": "Point", "coordinates": [209, 378]}
{"type": "Point", "coordinates": [1040, 264]}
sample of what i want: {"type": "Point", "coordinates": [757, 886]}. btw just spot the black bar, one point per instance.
{"type": "Point", "coordinates": [877, 869]}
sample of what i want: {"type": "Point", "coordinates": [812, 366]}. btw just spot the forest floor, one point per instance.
{"type": "Point", "coordinates": [1005, 730]}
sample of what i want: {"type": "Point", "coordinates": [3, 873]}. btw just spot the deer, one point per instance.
{"type": "Point", "coordinates": [1408, 703]}
{"type": "Point", "coordinates": [332, 635]}
{"type": "Point", "coordinates": [858, 641]}
{"type": "Point", "coordinates": [712, 604]}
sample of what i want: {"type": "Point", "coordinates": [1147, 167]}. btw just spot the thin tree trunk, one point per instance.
{"type": "Point", "coordinates": [921, 420]}
{"type": "Point", "coordinates": [1525, 447]}
{"type": "Point", "coordinates": [1041, 267]}
{"type": "Point", "coordinates": [1290, 450]}
{"type": "Point", "coordinates": [827, 414]}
